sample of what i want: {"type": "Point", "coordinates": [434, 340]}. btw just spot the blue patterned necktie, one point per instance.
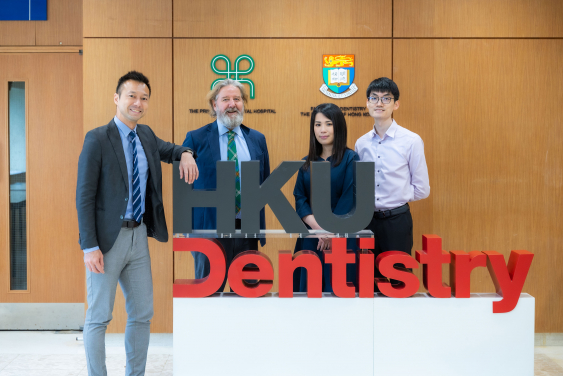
{"type": "Point", "coordinates": [136, 181]}
{"type": "Point", "coordinates": [232, 156]}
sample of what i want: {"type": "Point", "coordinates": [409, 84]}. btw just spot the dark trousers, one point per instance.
{"type": "Point", "coordinates": [392, 233]}
{"type": "Point", "coordinates": [233, 247]}
{"type": "Point", "coordinates": [300, 274]}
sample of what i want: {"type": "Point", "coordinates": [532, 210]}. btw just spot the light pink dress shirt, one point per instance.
{"type": "Point", "coordinates": [401, 174]}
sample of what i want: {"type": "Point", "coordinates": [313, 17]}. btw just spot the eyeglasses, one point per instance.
{"type": "Point", "coordinates": [384, 100]}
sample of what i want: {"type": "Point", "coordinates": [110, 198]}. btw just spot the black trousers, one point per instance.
{"type": "Point", "coordinates": [233, 246]}
{"type": "Point", "coordinates": [392, 233]}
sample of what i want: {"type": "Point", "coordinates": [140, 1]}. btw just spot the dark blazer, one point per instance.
{"type": "Point", "coordinates": [103, 185]}
{"type": "Point", "coordinates": [341, 186]}
{"type": "Point", "coordinates": [205, 144]}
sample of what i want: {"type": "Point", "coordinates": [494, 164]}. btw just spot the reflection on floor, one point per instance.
{"type": "Point", "coordinates": [60, 354]}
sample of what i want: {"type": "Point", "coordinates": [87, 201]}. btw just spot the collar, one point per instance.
{"type": "Point", "coordinates": [124, 129]}
{"type": "Point", "coordinates": [222, 129]}
{"type": "Point", "coordinates": [390, 131]}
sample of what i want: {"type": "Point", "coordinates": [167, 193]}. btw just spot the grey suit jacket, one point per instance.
{"type": "Point", "coordinates": [103, 185]}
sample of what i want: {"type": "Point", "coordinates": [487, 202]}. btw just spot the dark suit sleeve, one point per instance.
{"type": "Point", "coordinates": [188, 142]}
{"type": "Point", "coordinates": [89, 168]}
{"type": "Point", "coordinates": [266, 174]}
{"type": "Point", "coordinates": [346, 200]}
{"type": "Point", "coordinates": [266, 160]}
{"type": "Point", "coordinates": [168, 151]}
{"type": "Point", "coordinates": [302, 206]}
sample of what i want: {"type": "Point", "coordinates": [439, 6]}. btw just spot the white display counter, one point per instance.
{"type": "Point", "coordinates": [229, 335]}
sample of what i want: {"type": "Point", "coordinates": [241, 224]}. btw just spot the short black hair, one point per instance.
{"type": "Point", "coordinates": [335, 115]}
{"type": "Point", "coordinates": [383, 85]}
{"type": "Point", "coordinates": [135, 76]}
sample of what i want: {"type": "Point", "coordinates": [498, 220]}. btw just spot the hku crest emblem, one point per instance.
{"type": "Point", "coordinates": [234, 72]}
{"type": "Point", "coordinates": [338, 75]}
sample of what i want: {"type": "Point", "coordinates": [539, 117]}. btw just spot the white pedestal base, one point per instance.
{"type": "Point", "coordinates": [230, 335]}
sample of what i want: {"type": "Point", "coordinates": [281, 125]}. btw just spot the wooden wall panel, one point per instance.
{"type": "Point", "coordinates": [493, 108]}
{"type": "Point", "coordinates": [283, 18]}
{"type": "Point", "coordinates": [54, 138]}
{"type": "Point", "coordinates": [63, 25]}
{"type": "Point", "coordinates": [153, 57]}
{"type": "Point", "coordinates": [478, 18]}
{"type": "Point", "coordinates": [17, 33]}
{"type": "Point", "coordinates": [283, 83]}
{"type": "Point", "coordinates": [133, 19]}
{"type": "Point", "coordinates": [416, 91]}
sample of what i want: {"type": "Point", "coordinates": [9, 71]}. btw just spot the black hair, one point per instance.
{"type": "Point", "coordinates": [134, 76]}
{"type": "Point", "coordinates": [334, 113]}
{"type": "Point", "coordinates": [383, 85]}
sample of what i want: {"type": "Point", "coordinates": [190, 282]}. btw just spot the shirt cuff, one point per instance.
{"type": "Point", "coordinates": [191, 151]}
{"type": "Point", "coordinates": [88, 250]}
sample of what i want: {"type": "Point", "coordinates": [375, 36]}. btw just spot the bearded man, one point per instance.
{"type": "Point", "coordinates": [226, 139]}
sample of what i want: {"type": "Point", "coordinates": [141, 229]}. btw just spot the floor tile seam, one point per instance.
{"type": "Point", "coordinates": [169, 360]}
{"type": "Point", "coordinates": [550, 362]}
{"type": "Point", "coordinates": [7, 364]}
{"type": "Point", "coordinates": [559, 362]}
{"type": "Point", "coordinates": [59, 361]}
{"type": "Point", "coordinates": [44, 354]}
{"type": "Point", "coordinates": [545, 350]}
{"type": "Point", "coordinates": [43, 369]}
{"type": "Point", "coordinates": [155, 369]}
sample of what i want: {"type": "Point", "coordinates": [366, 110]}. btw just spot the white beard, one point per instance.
{"type": "Point", "coordinates": [230, 122]}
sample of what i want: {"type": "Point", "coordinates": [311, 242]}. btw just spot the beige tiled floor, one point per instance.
{"type": "Point", "coordinates": [548, 360]}
{"type": "Point", "coordinates": [60, 354]}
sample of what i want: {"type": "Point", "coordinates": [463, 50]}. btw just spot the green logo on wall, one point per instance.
{"type": "Point", "coordinates": [234, 72]}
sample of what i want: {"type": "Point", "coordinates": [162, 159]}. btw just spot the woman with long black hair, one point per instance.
{"type": "Point", "coordinates": [328, 137]}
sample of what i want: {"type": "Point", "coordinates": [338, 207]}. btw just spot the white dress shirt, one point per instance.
{"type": "Point", "coordinates": [401, 174]}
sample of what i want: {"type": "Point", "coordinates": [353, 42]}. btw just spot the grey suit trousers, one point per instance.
{"type": "Point", "coordinates": [127, 262]}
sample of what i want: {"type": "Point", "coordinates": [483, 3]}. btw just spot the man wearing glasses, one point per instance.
{"type": "Point", "coordinates": [401, 175]}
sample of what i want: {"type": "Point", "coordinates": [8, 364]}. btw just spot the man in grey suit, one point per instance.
{"type": "Point", "coordinates": [119, 204]}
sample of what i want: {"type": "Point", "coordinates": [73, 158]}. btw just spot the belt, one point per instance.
{"type": "Point", "coordinates": [389, 213]}
{"type": "Point", "coordinates": [130, 224]}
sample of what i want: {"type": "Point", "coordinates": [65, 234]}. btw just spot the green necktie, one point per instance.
{"type": "Point", "coordinates": [232, 156]}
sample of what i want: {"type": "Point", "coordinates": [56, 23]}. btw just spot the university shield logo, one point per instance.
{"type": "Point", "coordinates": [338, 75]}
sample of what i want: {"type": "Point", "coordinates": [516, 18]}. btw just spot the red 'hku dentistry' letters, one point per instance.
{"type": "Point", "coordinates": [508, 278]}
